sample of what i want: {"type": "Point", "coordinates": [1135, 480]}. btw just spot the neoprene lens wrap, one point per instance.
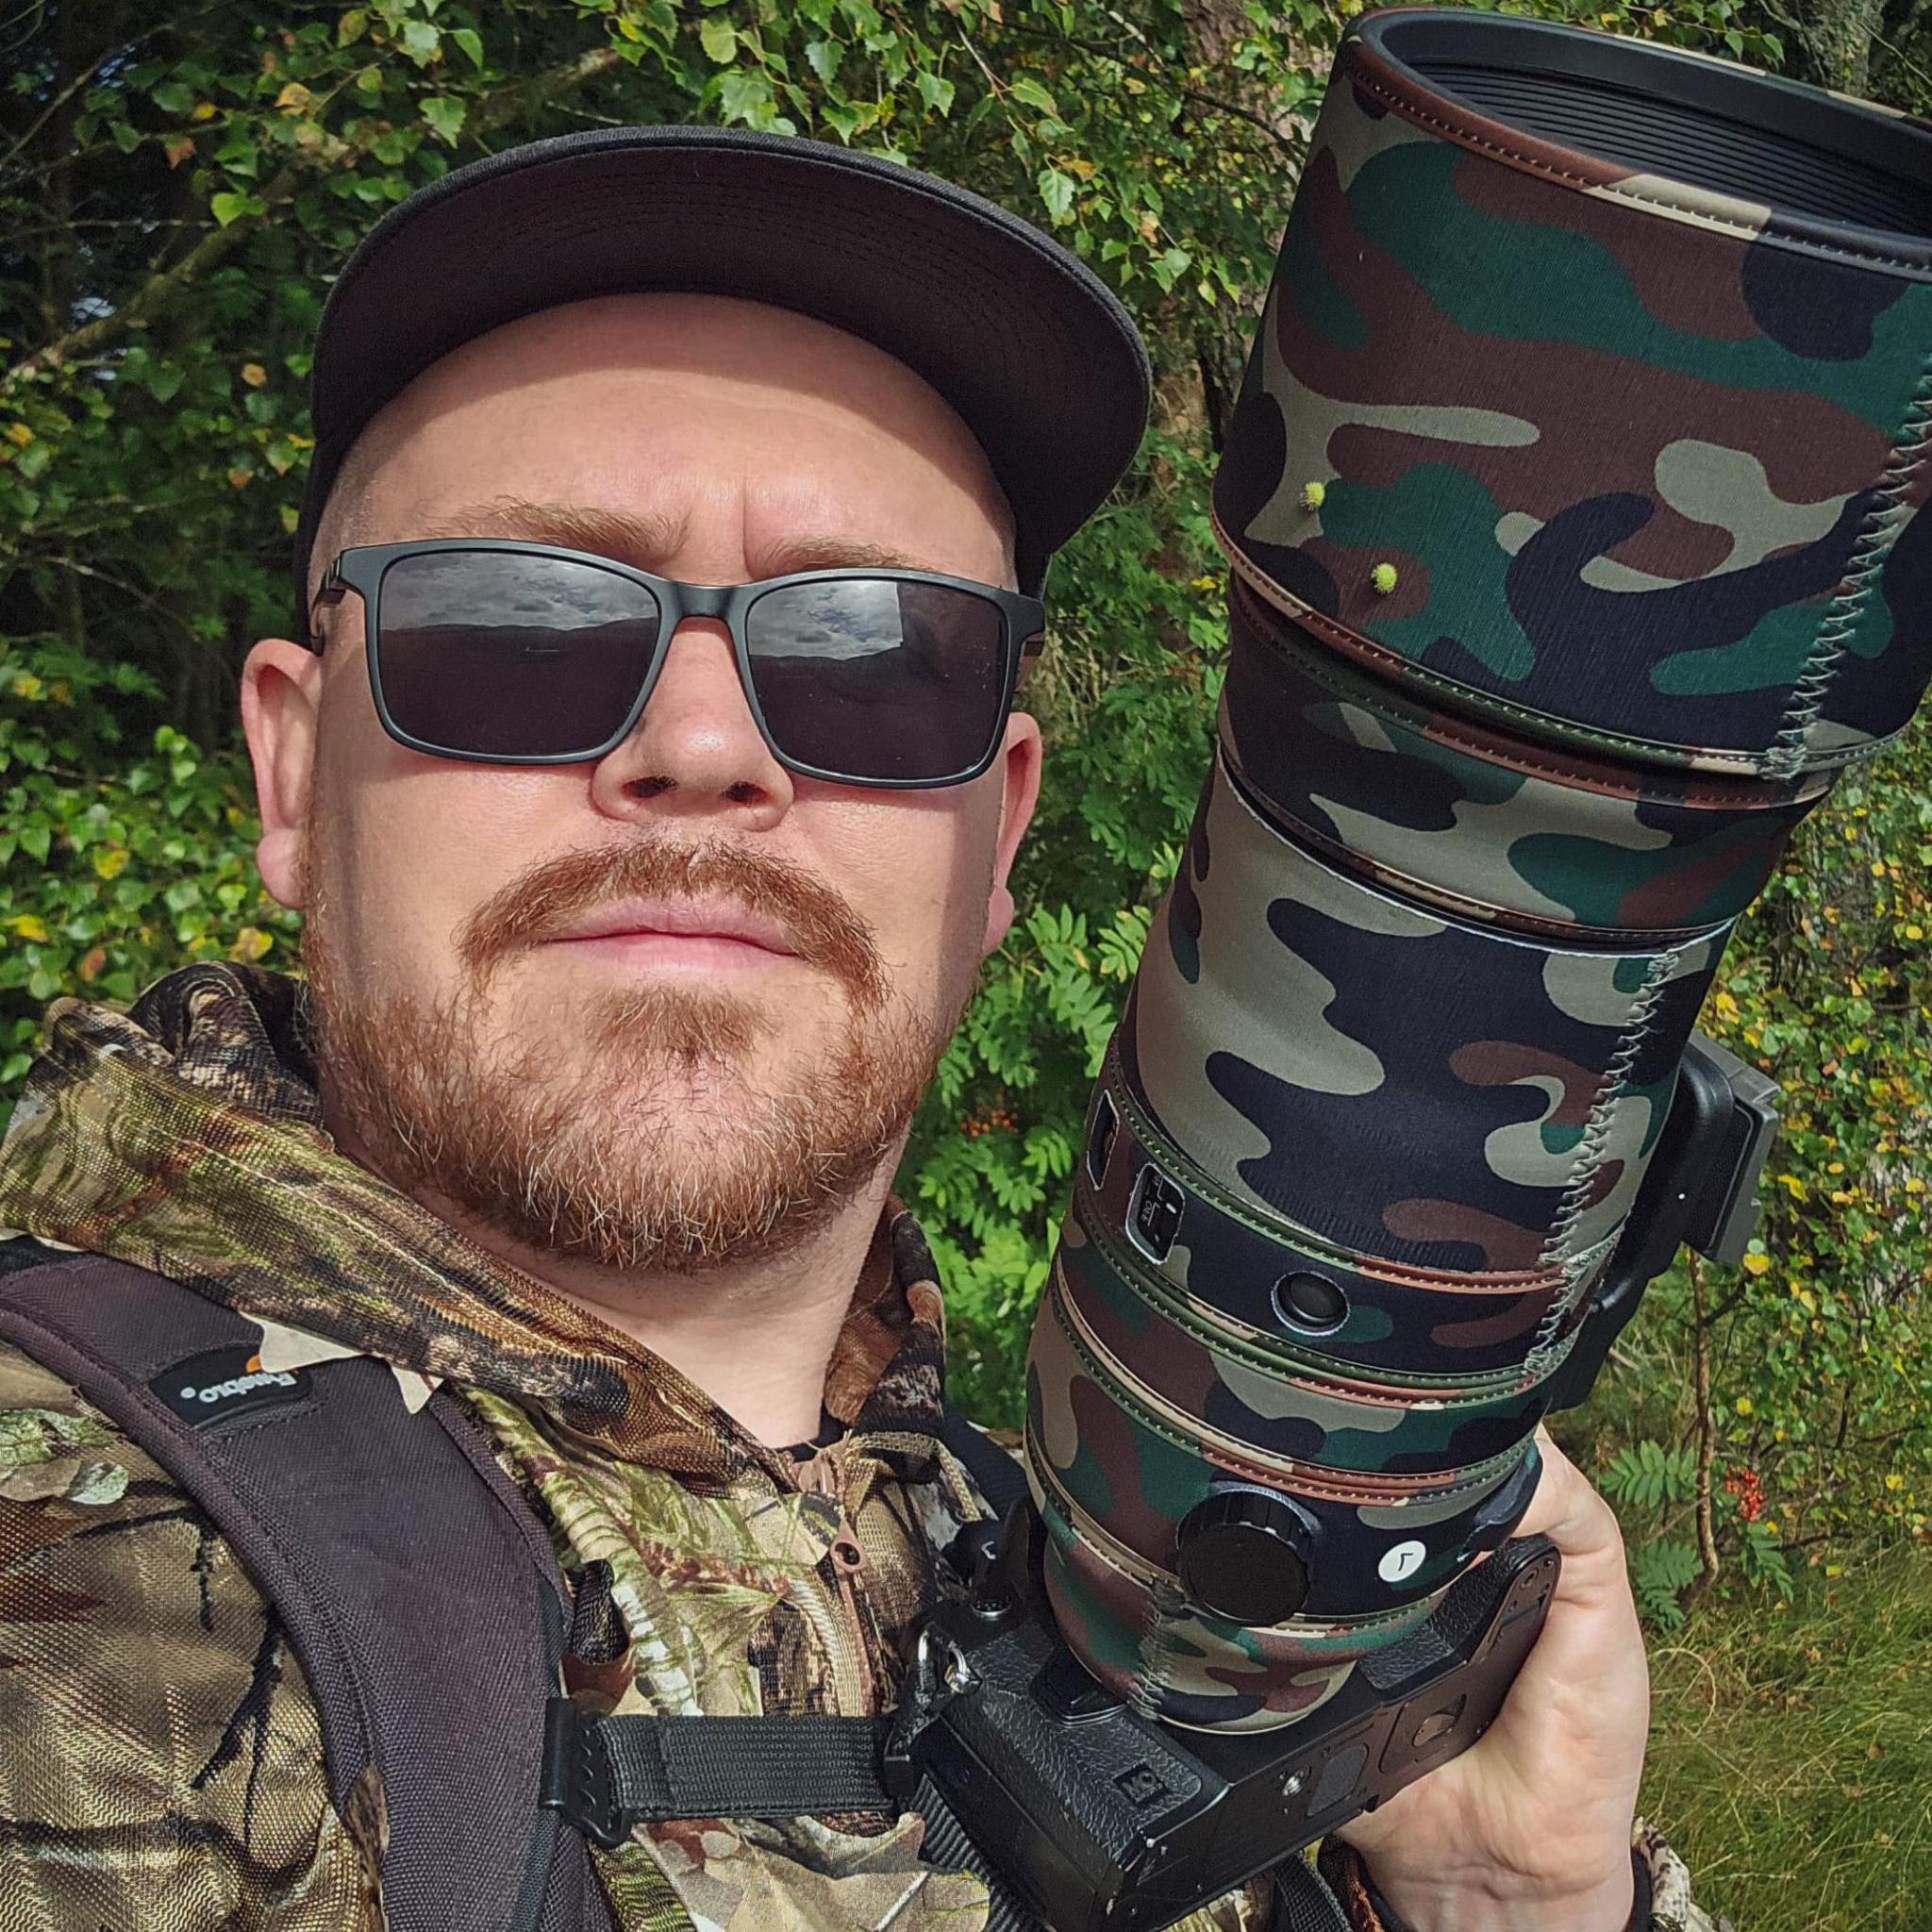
{"type": "Point", "coordinates": [1573, 500]}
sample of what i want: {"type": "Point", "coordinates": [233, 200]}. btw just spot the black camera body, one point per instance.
{"type": "Point", "coordinates": [1100, 1820]}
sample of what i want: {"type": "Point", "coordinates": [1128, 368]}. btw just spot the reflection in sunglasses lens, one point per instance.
{"type": "Point", "coordinates": [511, 656]}
{"type": "Point", "coordinates": [878, 678]}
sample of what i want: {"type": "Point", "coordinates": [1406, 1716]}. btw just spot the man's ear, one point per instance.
{"type": "Point", "coordinates": [1019, 768]}
{"type": "Point", "coordinates": [281, 702]}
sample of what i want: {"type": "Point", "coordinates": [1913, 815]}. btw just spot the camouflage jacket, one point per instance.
{"type": "Point", "coordinates": [163, 1757]}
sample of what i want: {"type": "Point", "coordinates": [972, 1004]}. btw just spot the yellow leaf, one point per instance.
{"type": "Point", "coordinates": [28, 927]}
{"type": "Point", "coordinates": [292, 98]}
{"type": "Point", "coordinates": [251, 942]}
{"type": "Point", "coordinates": [110, 861]}
{"type": "Point", "coordinates": [1834, 1569]}
{"type": "Point", "coordinates": [1895, 1481]}
{"type": "Point", "coordinates": [1744, 1404]}
{"type": "Point", "coordinates": [1757, 1265]}
{"type": "Point", "coordinates": [254, 374]}
{"type": "Point", "coordinates": [1915, 932]}
{"type": "Point", "coordinates": [20, 433]}
{"type": "Point", "coordinates": [202, 110]}
{"type": "Point", "coordinates": [26, 686]}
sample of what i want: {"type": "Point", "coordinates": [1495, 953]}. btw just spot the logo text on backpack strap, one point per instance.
{"type": "Point", "coordinates": [223, 1382]}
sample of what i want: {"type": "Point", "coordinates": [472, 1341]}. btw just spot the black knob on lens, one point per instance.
{"type": "Point", "coordinates": [1244, 1555]}
{"type": "Point", "coordinates": [1311, 1301]}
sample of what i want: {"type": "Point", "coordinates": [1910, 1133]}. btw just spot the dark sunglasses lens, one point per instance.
{"type": "Point", "coordinates": [501, 654]}
{"type": "Point", "coordinates": [878, 679]}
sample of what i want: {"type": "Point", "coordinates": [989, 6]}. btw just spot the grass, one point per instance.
{"type": "Point", "coordinates": [1791, 1756]}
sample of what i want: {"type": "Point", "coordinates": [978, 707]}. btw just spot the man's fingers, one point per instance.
{"type": "Point", "coordinates": [1568, 1510]}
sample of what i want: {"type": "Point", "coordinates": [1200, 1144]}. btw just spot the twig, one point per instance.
{"type": "Point", "coordinates": [158, 294]}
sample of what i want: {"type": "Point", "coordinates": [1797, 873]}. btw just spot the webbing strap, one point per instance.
{"type": "Point", "coordinates": [1303, 1901]}
{"type": "Point", "coordinates": [1001, 1477]}
{"type": "Point", "coordinates": [608, 1773]}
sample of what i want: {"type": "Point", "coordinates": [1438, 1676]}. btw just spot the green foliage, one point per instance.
{"type": "Point", "coordinates": [1660, 1570]}
{"type": "Point", "coordinates": [113, 867]}
{"type": "Point", "coordinates": [1789, 1753]}
{"type": "Point", "coordinates": [1125, 696]}
{"type": "Point", "coordinates": [1647, 1475]}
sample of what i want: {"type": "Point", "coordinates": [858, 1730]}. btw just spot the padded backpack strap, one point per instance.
{"type": "Point", "coordinates": [415, 1587]}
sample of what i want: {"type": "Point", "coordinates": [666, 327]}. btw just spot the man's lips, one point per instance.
{"type": "Point", "coordinates": [679, 919]}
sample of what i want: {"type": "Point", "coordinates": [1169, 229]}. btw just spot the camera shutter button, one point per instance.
{"type": "Point", "coordinates": [1246, 1556]}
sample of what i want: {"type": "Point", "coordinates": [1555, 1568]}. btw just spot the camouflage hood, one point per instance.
{"type": "Point", "coordinates": [185, 1136]}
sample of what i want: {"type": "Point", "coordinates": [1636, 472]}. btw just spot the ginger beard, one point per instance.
{"type": "Point", "coordinates": [628, 1132]}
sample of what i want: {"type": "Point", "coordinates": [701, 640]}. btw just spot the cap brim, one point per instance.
{"type": "Point", "coordinates": [1025, 344]}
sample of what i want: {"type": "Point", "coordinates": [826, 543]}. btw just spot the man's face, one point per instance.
{"type": "Point", "coordinates": [712, 1078]}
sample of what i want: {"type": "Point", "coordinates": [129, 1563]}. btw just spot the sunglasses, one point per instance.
{"type": "Point", "coordinates": [512, 653]}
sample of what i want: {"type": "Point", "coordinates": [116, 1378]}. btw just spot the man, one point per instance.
{"type": "Point", "coordinates": [623, 988]}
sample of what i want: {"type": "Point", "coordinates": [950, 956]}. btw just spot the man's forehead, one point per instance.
{"type": "Point", "coordinates": [648, 540]}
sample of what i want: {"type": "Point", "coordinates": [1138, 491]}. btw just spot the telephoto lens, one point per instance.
{"type": "Point", "coordinates": [1572, 502]}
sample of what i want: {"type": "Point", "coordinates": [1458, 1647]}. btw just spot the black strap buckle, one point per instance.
{"type": "Point", "coordinates": [578, 1777]}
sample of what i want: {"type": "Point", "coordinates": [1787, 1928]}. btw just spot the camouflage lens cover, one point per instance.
{"type": "Point", "coordinates": [1635, 458]}
{"type": "Point", "coordinates": [1422, 1088]}
{"type": "Point", "coordinates": [1575, 518]}
{"type": "Point", "coordinates": [1229, 1268]}
{"type": "Point", "coordinates": [1115, 1473]}
{"type": "Point", "coordinates": [1443, 808]}
{"type": "Point", "coordinates": [1238, 1386]}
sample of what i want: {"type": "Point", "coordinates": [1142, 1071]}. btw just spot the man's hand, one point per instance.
{"type": "Point", "coordinates": [1529, 1830]}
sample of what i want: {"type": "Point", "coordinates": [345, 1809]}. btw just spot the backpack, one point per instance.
{"type": "Point", "coordinates": [378, 1582]}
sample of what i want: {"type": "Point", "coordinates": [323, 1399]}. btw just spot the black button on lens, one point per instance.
{"type": "Point", "coordinates": [1311, 1302]}
{"type": "Point", "coordinates": [1244, 1555]}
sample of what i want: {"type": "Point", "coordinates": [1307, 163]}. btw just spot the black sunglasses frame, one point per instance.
{"type": "Point", "coordinates": [364, 566]}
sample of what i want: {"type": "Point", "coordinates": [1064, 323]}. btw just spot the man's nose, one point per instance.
{"type": "Point", "coordinates": [697, 747]}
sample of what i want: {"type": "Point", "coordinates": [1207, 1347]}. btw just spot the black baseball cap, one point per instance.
{"type": "Point", "coordinates": [1042, 363]}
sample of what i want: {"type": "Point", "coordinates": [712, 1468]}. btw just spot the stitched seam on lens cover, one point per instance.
{"type": "Point", "coordinates": [1884, 526]}
{"type": "Point", "coordinates": [1336, 680]}
{"type": "Point", "coordinates": [1741, 763]}
{"type": "Point", "coordinates": [1342, 1385]}
{"type": "Point", "coordinates": [1603, 1111]}
{"type": "Point", "coordinates": [1171, 1159]}
{"type": "Point", "coordinates": [1101, 1542]}
{"type": "Point", "coordinates": [1361, 1488]}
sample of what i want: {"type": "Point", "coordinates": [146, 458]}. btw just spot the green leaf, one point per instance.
{"type": "Point", "coordinates": [720, 40]}
{"type": "Point", "coordinates": [228, 206]}
{"type": "Point", "coordinates": [1056, 191]}
{"type": "Point", "coordinates": [352, 27]}
{"type": "Point", "coordinates": [1029, 90]}
{"type": "Point", "coordinates": [937, 91]}
{"type": "Point", "coordinates": [471, 41]}
{"type": "Point", "coordinates": [822, 57]}
{"type": "Point", "coordinates": [173, 97]}
{"type": "Point", "coordinates": [420, 42]}
{"type": "Point", "coordinates": [446, 116]}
